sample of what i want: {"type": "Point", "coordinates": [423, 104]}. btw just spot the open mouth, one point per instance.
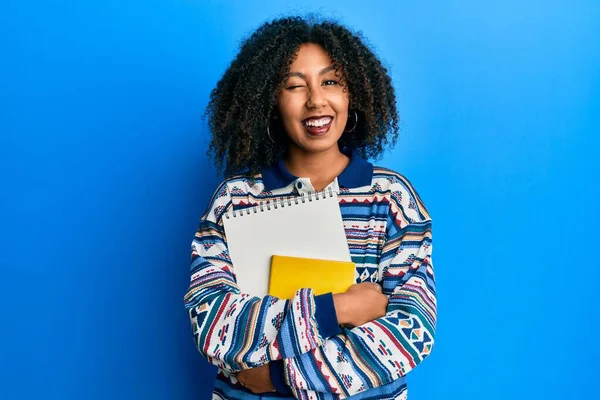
{"type": "Point", "coordinates": [317, 126]}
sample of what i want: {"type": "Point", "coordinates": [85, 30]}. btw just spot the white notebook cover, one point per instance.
{"type": "Point", "coordinates": [311, 228]}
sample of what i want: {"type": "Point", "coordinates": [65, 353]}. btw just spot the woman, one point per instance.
{"type": "Point", "coordinates": [298, 110]}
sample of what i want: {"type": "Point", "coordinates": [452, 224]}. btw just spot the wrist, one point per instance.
{"type": "Point", "coordinates": [277, 372]}
{"type": "Point", "coordinates": [341, 303]}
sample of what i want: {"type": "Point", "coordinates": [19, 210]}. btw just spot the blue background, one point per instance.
{"type": "Point", "coordinates": [104, 177]}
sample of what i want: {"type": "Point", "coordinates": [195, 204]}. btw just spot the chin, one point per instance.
{"type": "Point", "coordinates": [314, 144]}
{"type": "Point", "coordinates": [314, 148]}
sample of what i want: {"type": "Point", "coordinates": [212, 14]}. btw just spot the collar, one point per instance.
{"type": "Point", "coordinates": [359, 172]}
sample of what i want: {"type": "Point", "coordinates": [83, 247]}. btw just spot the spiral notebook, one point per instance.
{"type": "Point", "coordinates": [308, 226]}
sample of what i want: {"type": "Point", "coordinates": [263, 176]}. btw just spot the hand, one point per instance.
{"type": "Point", "coordinates": [361, 303]}
{"type": "Point", "coordinates": [257, 380]}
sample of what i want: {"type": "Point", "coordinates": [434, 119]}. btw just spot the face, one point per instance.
{"type": "Point", "coordinates": [313, 105]}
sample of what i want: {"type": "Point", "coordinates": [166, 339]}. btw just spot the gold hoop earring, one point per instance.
{"type": "Point", "coordinates": [355, 123]}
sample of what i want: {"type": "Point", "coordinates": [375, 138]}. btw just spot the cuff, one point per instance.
{"type": "Point", "coordinates": [326, 316]}
{"type": "Point", "coordinates": [277, 377]}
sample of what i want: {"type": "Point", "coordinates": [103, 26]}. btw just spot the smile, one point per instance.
{"type": "Point", "coordinates": [317, 122]}
{"type": "Point", "coordinates": [317, 126]}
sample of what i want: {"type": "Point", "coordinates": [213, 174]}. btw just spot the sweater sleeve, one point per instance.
{"type": "Point", "coordinates": [380, 351]}
{"type": "Point", "coordinates": [234, 330]}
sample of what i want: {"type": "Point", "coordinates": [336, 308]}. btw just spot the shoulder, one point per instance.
{"type": "Point", "coordinates": [239, 184]}
{"type": "Point", "coordinates": [232, 192]}
{"type": "Point", "coordinates": [218, 204]}
{"type": "Point", "coordinates": [403, 195]}
{"type": "Point", "coordinates": [389, 179]}
{"type": "Point", "coordinates": [244, 185]}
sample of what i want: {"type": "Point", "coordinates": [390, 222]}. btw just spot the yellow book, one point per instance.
{"type": "Point", "coordinates": [288, 274]}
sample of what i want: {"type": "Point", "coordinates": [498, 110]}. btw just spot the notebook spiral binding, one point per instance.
{"type": "Point", "coordinates": [281, 202]}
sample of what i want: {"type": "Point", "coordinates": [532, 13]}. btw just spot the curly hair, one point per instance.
{"type": "Point", "coordinates": [243, 105]}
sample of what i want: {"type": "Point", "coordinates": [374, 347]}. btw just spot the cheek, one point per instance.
{"type": "Point", "coordinates": [340, 105]}
{"type": "Point", "coordinates": [287, 117]}
{"type": "Point", "coordinates": [340, 100]}
{"type": "Point", "coordinates": [287, 106]}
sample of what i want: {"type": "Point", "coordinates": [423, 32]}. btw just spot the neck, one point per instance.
{"type": "Point", "coordinates": [322, 168]}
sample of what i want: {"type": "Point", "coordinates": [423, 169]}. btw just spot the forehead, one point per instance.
{"type": "Point", "coordinates": [310, 57]}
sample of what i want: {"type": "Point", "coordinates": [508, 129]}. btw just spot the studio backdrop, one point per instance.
{"type": "Point", "coordinates": [104, 177]}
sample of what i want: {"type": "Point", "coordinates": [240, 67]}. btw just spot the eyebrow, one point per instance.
{"type": "Point", "coordinates": [323, 71]}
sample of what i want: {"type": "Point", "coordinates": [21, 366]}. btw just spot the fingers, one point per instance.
{"type": "Point", "coordinates": [364, 286]}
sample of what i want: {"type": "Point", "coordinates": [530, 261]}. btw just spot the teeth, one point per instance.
{"type": "Point", "coordinates": [318, 122]}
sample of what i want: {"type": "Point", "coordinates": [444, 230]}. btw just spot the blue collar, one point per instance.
{"type": "Point", "coordinates": [359, 172]}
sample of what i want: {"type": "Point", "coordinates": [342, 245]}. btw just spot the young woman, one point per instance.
{"type": "Point", "coordinates": [299, 110]}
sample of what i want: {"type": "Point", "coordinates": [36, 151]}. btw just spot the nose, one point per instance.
{"type": "Point", "coordinates": [315, 98]}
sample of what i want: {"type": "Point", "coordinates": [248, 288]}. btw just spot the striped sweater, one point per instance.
{"type": "Point", "coordinates": [310, 356]}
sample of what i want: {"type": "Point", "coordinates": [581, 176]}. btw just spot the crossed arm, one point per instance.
{"type": "Point", "coordinates": [382, 350]}
{"type": "Point", "coordinates": [300, 338]}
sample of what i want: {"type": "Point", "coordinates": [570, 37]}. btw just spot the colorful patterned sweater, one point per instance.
{"type": "Point", "coordinates": [309, 355]}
